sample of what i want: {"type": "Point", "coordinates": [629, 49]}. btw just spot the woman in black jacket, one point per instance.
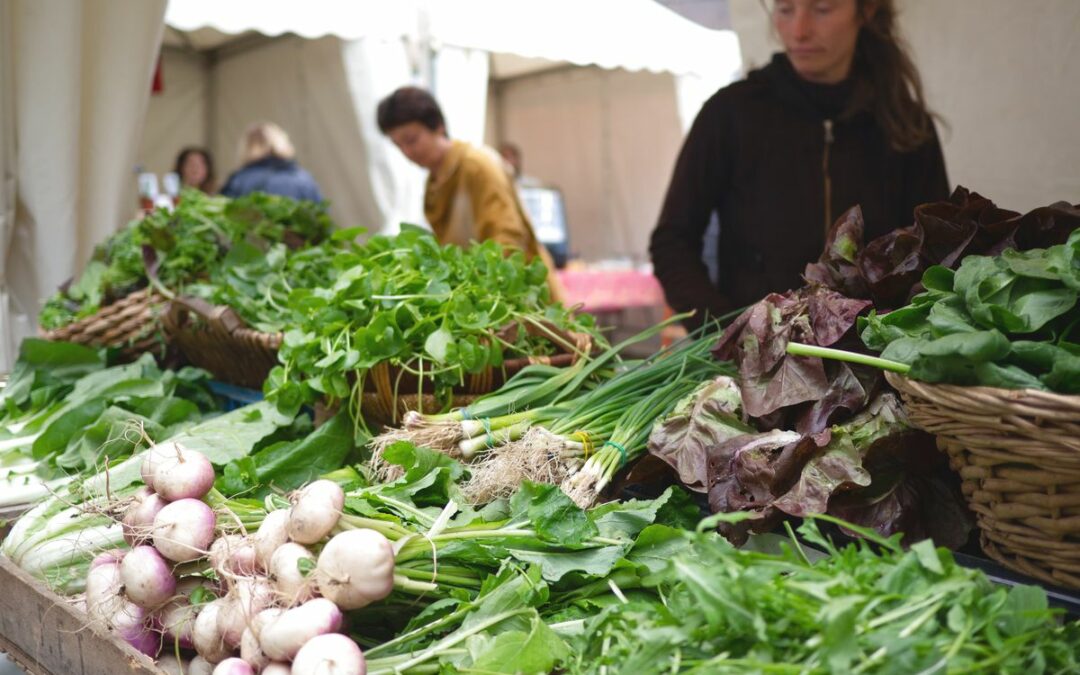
{"type": "Point", "coordinates": [836, 120]}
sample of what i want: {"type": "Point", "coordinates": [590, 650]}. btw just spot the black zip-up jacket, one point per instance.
{"type": "Point", "coordinates": [777, 159]}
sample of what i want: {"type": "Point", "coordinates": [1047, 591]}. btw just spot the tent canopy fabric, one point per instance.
{"type": "Point", "coordinates": [629, 34]}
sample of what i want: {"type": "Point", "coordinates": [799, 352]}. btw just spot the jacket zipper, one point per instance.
{"type": "Point", "coordinates": [825, 172]}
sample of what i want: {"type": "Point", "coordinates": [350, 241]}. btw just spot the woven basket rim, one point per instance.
{"type": "Point", "coordinates": [1020, 401]}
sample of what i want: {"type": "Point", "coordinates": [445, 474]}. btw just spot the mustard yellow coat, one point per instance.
{"type": "Point", "coordinates": [471, 197]}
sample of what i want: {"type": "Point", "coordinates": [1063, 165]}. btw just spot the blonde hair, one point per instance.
{"type": "Point", "coordinates": [265, 139]}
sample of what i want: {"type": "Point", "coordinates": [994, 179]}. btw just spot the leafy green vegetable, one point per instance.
{"type": "Point", "coordinates": [716, 609]}
{"type": "Point", "coordinates": [172, 249]}
{"type": "Point", "coordinates": [433, 314]}
{"type": "Point", "coordinates": [1004, 321]}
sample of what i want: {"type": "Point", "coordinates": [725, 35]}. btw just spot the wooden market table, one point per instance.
{"type": "Point", "coordinates": [44, 635]}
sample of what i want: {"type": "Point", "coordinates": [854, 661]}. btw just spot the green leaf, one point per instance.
{"type": "Point", "coordinates": [54, 440]}
{"type": "Point", "coordinates": [928, 556]}
{"type": "Point", "coordinates": [554, 565]}
{"type": "Point", "coordinates": [538, 650]}
{"type": "Point", "coordinates": [1025, 609]}
{"type": "Point", "coordinates": [657, 545]}
{"type": "Point", "coordinates": [288, 465]}
{"type": "Point", "coordinates": [553, 515]}
{"type": "Point", "coordinates": [436, 344]}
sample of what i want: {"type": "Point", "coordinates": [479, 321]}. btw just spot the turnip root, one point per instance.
{"type": "Point", "coordinates": [147, 578]}
{"type": "Point", "coordinates": [206, 636]}
{"type": "Point", "coordinates": [110, 557]}
{"type": "Point", "coordinates": [107, 606]}
{"type": "Point", "coordinates": [155, 455]}
{"type": "Point", "coordinates": [130, 623]}
{"type": "Point", "coordinates": [356, 568]}
{"type": "Point", "coordinates": [104, 588]}
{"type": "Point", "coordinates": [234, 666]}
{"type": "Point", "coordinates": [332, 654]}
{"type": "Point", "coordinates": [292, 586]}
{"type": "Point", "coordinates": [248, 597]}
{"type": "Point", "coordinates": [177, 617]}
{"type": "Point", "coordinates": [250, 650]}
{"type": "Point", "coordinates": [277, 668]}
{"type": "Point", "coordinates": [184, 529]}
{"type": "Point", "coordinates": [273, 532]}
{"type": "Point", "coordinates": [315, 511]}
{"type": "Point", "coordinates": [233, 554]}
{"type": "Point", "coordinates": [200, 666]}
{"type": "Point", "coordinates": [281, 638]}
{"type": "Point", "coordinates": [139, 516]}
{"type": "Point", "coordinates": [186, 474]}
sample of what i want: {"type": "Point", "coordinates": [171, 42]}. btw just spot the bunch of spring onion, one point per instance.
{"type": "Point", "coordinates": [605, 427]}
{"type": "Point", "coordinates": [504, 415]}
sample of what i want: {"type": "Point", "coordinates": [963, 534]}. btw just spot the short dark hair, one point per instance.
{"type": "Point", "coordinates": [410, 104]}
{"type": "Point", "coordinates": [208, 184]}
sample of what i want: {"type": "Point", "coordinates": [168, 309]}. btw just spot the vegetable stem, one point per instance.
{"type": "Point", "coordinates": [800, 349]}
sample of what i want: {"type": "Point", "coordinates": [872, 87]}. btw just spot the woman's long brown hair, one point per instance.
{"type": "Point", "coordinates": [886, 80]}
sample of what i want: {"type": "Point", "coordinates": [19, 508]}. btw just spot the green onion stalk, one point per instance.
{"type": "Point", "coordinates": [579, 416]}
{"type": "Point", "coordinates": [629, 438]}
{"type": "Point", "coordinates": [512, 408]}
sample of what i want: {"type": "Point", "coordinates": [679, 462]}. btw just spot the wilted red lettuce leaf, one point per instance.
{"type": "Point", "coordinates": [892, 264]}
{"type": "Point", "coordinates": [943, 233]}
{"type": "Point", "coordinates": [757, 344]}
{"type": "Point", "coordinates": [701, 421]}
{"type": "Point", "coordinates": [744, 474]}
{"type": "Point", "coordinates": [831, 315]}
{"type": "Point", "coordinates": [856, 466]}
{"type": "Point", "coordinates": [847, 394]}
{"type": "Point", "coordinates": [836, 268]}
{"type": "Point", "coordinates": [925, 505]}
{"type": "Point", "coordinates": [1047, 226]}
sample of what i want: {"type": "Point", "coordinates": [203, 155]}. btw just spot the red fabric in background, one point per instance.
{"type": "Point", "coordinates": [159, 84]}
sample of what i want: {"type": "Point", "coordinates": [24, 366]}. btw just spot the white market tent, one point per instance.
{"type": "Point", "coordinates": [78, 87]}
{"type": "Point", "coordinates": [598, 93]}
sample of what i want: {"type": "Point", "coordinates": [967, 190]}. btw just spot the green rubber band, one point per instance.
{"type": "Point", "coordinates": [621, 449]}
{"type": "Point", "coordinates": [487, 428]}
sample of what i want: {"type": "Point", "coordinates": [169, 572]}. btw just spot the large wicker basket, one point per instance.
{"type": "Point", "coordinates": [130, 325]}
{"type": "Point", "coordinates": [215, 338]}
{"type": "Point", "coordinates": [1018, 456]}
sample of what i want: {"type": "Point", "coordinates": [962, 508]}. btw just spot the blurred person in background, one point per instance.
{"type": "Point", "coordinates": [195, 167]}
{"type": "Point", "coordinates": [269, 165]}
{"type": "Point", "coordinates": [511, 154]}
{"type": "Point", "coordinates": [469, 195]}
{"type": "Point", "coordinates": [835, 120]}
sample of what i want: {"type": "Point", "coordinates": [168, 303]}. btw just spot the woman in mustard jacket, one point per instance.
{"type": "Point", "coordinates": [470, 196]}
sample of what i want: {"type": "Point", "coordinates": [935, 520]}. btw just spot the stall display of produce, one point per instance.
{"type": "Point", "coordinates": [444, 472]}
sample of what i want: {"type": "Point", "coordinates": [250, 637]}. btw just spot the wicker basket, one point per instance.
{"type": "Point", "coordinates": [216, 339]}
{"type": "Point", "coordinates": [129, 325]}
{"type": "Point", "coordinates": [1018, 456]}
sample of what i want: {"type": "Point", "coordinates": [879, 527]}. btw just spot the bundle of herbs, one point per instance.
{"type": "Point", "coordinates": [864, 608]}
{"type": "Point", "coordinates": [431, 314]}
{"type": "Point", "coordinates": [172, 248]}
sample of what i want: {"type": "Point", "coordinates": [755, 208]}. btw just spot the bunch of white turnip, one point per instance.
{"type": "Point", "coordinates": [281, 591]}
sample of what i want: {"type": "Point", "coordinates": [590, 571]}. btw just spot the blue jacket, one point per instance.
{"type": "Point", "coordinates": [275, 176]}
